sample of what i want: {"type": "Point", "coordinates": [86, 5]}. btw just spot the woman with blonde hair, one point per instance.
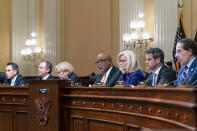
{"type": "Point", "coordinates": [64, 71]}
{"type": "Point", "coordinates": [130, 68]}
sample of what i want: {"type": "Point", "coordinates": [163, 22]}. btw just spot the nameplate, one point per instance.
{"type": "Point", "coordinates": [76, 83]}
{"type": "Point", "coordinates": [43, 90]}
{"type": "Point", "coordinates": [98, 84]}
{"type": "Point", "coordinates": [119, 83]}
{"type": "Point", "coordinates": [141, 83]}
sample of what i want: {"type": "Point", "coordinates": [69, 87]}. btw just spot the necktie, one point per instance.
{"type": "Point", "coordinates": [154, 82]}
{"type": "Point", "coordinates": [103, 79]}
{"type": "Point", "coordinates": [184, 73]}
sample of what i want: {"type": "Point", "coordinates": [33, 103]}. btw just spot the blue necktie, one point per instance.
{"type": "Point", "coordinates": [154, 82]}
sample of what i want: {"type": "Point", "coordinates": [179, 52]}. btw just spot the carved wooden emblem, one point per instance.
{"type": "Point", "coordinates": [43, 105]}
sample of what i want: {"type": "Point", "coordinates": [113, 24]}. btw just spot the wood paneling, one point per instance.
{"type": "Point", "coordinates": [62, 107]}
{"type": "Point", "coordinates": [13, 108]}
{"type": "Point", "coordinates": [21, 121]}
{"type": "Point", "coordinates": [6, 120]}
{"type": "Point", "coordinates": [117, 108]}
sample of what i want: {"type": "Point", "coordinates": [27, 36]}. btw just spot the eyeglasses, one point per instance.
{"type": "Point", "coordinates": [122, 61]}
{"type": "Point", "coordinates": [101, 61]}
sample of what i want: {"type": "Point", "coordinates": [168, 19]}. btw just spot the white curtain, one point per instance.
{"type": "Point", "coordinates": [52, 31]}
{"type": "Point", "coordinates": [128, 12]}
{"type": "Point", "coordinates": [165, 25]}
{"type": "Point", "coordinates": [25, 19]}
{"type": "Point", "coordinates": [25, 16]}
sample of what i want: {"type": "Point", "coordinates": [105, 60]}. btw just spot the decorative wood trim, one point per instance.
{"type": "Point", "coordinates": [136, 99]}
{"type": "Point", "coordinates": [158, 118]}
{"type": "Point", "coordinates": [43, 106]}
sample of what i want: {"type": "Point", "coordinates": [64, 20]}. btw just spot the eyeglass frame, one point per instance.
{"type": "Point", "coordinates": [101, 61]}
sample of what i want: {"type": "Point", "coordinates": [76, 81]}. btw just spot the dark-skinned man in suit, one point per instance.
{"type": "Point", "coordinates": [109, 74]}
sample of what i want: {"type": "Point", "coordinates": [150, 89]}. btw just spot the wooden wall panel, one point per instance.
{"type": "Point", "coordinates": [6, 120]}
{"type": "Point", "coordinates": [103, 125]}
{"type": "Point", "coordinates": [21, 121]}
{"type": "Point", "coordinates": [77, 124]}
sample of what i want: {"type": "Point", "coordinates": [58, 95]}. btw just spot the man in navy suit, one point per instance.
{"type": "Point", "coordinates": [109, 73]}
{"type": "Point", "coordinates": [186, 52]}
{"type": "Point", "coordinates": [44, 71]}
{"type": "Point", "coordinates": [13, 76]}
{"type": "Point", "coordinates": [161, 74]}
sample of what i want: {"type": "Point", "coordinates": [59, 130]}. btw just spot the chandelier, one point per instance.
{"type": "Point", "coordinates": [137, 36]}
{"type": "Point", "coordinates": [32, 52]}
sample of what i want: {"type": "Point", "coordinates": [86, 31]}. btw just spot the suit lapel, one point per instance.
{"type": "Point", "coordinates": [16, 81]}
{"type": "Point", "coordinates": [149, 79]}
{"type": "Point", "coordinates": [159, 75]}
{"type": "Point", "coordinates": [110, 75]}
{"type": "Point", "coordinates": [190, 71]}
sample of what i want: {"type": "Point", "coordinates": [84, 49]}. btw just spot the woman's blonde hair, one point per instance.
{"type": "Point", "coordinates": [131, 59]}
{"type": "Point", "coordinates": [64, 66]}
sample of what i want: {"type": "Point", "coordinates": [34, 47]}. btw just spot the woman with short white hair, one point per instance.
{"type": "Point", "coordinates": [64, 71]}
{"type": "Point", "coordinates": [130, 68]}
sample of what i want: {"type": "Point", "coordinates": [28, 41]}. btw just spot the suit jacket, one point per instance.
{"type": "Point", "coordinates": [3, 78]}
{"type": "Point", "coordinates": [74, 78]}
{"type": "Point", "coordinates": [165, 76]}
{"type": "Point", "coordinates": [112, 77]}
{"type": "Point", "coordinates": [132, 78]}
{"type": "Point", "coordinates": [20, 81]}
{"type": "Point", "coordinates": [191, 75]}
{"type": "Point", "coordinates": [50, 77]}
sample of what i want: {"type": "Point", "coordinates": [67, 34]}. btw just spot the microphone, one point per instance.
{"type": "Point", "coordinates": [148, 79]}
{"type": "Point", "coordinates": [194, 82]}
{"type": "Point", "coordinates": [168, 84]}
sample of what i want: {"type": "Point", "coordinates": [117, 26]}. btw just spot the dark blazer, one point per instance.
{"type": "Point", "coordinates": [74, 78]}
{"type": "Point", "coordinates": [20, 81]}
{"type": "Point", "coordinates": [3, 78]}
{"type": "Point", "coordinates": [112, 77]}
{"type": "Point", "coordinates": [191, 76]}
{"type": "Point", "coordinates": [165, 76]}
{"type": "Point", "coordinates": [132, 78]}
{"type": "Point", "coordinates": [50, 77]}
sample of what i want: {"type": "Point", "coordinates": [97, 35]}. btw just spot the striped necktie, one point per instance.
{"type": "Point", "coordinates": [184, 73]}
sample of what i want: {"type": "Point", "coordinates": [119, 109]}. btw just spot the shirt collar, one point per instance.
{"type": "Point", "coordinates": [107, 73]}
{"type": "Point", "coordinates": [14, 79]}
{"type": "Point", "coordinates": [190, 63]}
{"type": "Point", "coordinates": [157, 70]}
{"type": "Point", "coordinates": [45, 77]}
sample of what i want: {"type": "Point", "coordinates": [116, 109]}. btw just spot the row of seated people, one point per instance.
{"type": "Point", "coordinates": [129, 71]}
{"type": "Point", "coordinates": [64, 71]}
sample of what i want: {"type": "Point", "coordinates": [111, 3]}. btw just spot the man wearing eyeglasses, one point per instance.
{"type": "Point", "coordinates": [109, 73]}
{"type": "Point", "coordinates": [186, 53]}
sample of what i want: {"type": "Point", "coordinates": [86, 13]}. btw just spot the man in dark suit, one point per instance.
{"type": "Point", "coordinates": [109, 73]}
{"type": "Point", "coordinates": [186, 52]}
{"type": "Point", "coordinates": [160, 74]}
{"type": "Point", "coordinates": [13, 76]}
{"type": "Point", "coordinates": [44, 71]}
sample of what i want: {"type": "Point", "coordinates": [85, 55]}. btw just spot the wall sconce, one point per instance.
{"type": "Point", "coordinates": [32, 51]}
{"type": "Point", "coordinates": [136, 35]}
{"type": "Point", "coordinates": [137, 39]}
